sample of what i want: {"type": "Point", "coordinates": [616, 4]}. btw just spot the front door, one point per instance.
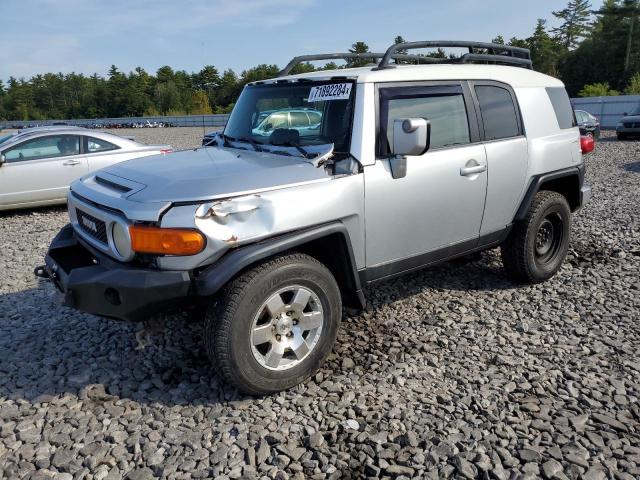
{"type": "Point", "coordinates": [436, 209]}
{"type": "Point", "coordinates": [40, 169]}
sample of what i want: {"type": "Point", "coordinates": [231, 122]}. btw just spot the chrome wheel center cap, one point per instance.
{"type": "Point", "coordinates": [283, 325]}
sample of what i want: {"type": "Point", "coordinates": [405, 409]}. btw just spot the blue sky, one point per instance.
{"type": "Point", "coordinates": [90, 35]}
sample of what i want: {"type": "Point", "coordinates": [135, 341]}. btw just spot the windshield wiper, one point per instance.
{"type": "Point", "coordinates": [303, 152]}
{"type": "Point", "coordinates": [252, 142]}
{"type": "Point", "coordinates": [248, 140]}
{"type": "Point", "coordinates": [226, 139]}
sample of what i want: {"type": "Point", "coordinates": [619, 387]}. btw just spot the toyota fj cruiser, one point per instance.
{"type": "Point", "coordinates": [320, 184]}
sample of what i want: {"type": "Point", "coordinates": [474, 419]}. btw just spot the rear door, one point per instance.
{"type": "Point", "coordinates": [40, 169]}
{"type": "Point", "coordinates": [507, 152]}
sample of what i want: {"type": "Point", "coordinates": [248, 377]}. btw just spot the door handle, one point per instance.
{"type": "Point", "coordinates": [471, 169]}
{"type": "Point", "coordinates": [71, 162]}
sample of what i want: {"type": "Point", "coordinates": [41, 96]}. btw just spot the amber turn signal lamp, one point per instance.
{"type": "Point", "coordinates": [165, 241]}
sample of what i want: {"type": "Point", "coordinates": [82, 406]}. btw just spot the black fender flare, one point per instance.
{"type": "Point", "coordinates": [210, 280]}
{"type": "Point", "coordinates": [539, 180]}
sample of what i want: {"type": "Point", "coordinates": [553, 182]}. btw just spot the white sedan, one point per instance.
{"type": "Point", "coordinates": [38, 165]}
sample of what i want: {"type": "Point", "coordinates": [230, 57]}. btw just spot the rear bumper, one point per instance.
{"type": "Point", "coordinates": [93, 283]}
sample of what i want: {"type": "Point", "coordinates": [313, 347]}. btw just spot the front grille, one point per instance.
{"type": "Point", "coordinates": [92, 226]}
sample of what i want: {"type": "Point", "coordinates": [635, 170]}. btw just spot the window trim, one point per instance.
{"type": "Point", "coordinates": [85, 145]}
{"type": "Point", "coordinates": [493, 83]}
{"type": "Point", "coordinates": [472, 120]}
{"type": "Point", "coordinates": [43, 158]}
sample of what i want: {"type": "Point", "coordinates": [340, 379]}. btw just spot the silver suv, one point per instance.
{"type": "Point", "coordinates": [271, 235]}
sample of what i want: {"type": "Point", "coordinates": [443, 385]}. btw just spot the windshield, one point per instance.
{"type": "Point", "coordinates": [5, 138]}
{"type": "Point", "coordinates": [636, 112]}
{"type": "Point", "coordinates": [302, 114]}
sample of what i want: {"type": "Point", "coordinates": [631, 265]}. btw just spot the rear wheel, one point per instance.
{"type": "Point", "coordinates": [274, 325]}
{"type": "Point", "coordinates": [622, 136]}
{"type": "Point", "coordinates": [537, 245]}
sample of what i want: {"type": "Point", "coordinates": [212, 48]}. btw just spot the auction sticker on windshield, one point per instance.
{"type": "Point", "coordinates": [334, 91]}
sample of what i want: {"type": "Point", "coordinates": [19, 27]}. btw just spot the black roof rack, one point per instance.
{"type": "Point", "coordinates": [478, 52]}
{"type": "Point", "coordinates": [347, 56]}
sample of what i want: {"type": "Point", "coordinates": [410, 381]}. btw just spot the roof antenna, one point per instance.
{"type": "Point", "coordinates": [204, 131]}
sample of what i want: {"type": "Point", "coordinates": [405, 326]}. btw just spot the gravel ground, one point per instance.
{"type": "Point", "coordinates": [453, 371]}
{"type": "Point", "coordinates": [178, 138]}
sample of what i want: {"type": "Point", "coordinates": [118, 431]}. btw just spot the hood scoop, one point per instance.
{"type": "Point", "coordinates": [112, 185]}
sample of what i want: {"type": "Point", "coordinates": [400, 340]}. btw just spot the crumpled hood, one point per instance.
{"type": "Point", "coordinates": [208, 173]}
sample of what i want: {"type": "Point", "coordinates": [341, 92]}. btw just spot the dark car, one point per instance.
{"type": "Point", "coordinates": [629, 125]}
{"type": "Point", "coordinates": [589, 125]}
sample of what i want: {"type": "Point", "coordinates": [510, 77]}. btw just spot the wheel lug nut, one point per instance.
{"type": "Point", "coordinates": [278, 337]}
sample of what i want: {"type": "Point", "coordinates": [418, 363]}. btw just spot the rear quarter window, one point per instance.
{"type": "Point", "coordinates": [562, 107]}
{"type": "Point", "coordinates": [499, 114]}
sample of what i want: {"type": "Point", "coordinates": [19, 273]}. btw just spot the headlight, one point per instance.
{"type": "Point", "coordinates": [121, 239]}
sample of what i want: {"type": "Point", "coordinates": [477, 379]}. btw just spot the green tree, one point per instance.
{"type": "Point", "coordinates": [358, 47]}
{"type": "Point", "coordinates": [303, 67]}
{"type": "Point", "coordinates": [261, 72]}
{"type": "Point", "coordinates": [597, 90]}
{"type": "Point", "coordinates": [396, 41]}
{"type": "Point", "coordinates": [167, 97]}
{"type": "Point", "coordinates": [634, 85]}
{"type": "Point", "coordinates": [518, 42]}
{"type": "Point", "coordinates": [199, 103]}
{"type": "Point", "coordinates": [545, 50]}
{"type": "Point", "coordinates": [229, 89]}
{"type": "Point", "coordinates": [575, 24]}
{"type": "Point", "coordinates": [600, 58]}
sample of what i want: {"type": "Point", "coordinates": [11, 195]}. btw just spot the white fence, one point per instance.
{"type": "Point", "coordinates": [609, 110]}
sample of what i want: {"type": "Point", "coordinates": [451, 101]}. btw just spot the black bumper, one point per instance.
{"type": "Point", "coordinates": [93, 283]}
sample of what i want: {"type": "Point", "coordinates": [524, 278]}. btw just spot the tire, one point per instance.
{"type": "Point", "coordinates": [259, 306]}
{"type": "Point", "coordinates": [537, 245]}
{"type": "Point", "coordinates": [622, 136]}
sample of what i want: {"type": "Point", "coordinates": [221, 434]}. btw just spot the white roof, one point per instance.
{"type": "Point", "coordinates": [514, 76]}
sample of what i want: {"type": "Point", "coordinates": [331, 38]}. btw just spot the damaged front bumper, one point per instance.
{"type": "Point", "coordinates": [92, 282]}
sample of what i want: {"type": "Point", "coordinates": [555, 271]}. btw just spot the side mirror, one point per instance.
{"type": "Point", "coordinates": [3, 159]}
{"type": "Point", "coordinates": [411, 137]}
{"type": "Point", "coordinates": [625, 114]}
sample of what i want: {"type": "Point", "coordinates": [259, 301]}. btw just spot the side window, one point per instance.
{"type": "Point", "coordinates": [299, 119]}
{"type": "Point", "coordinates": [499, 114]}
{"type": "Point", "coordinates": [44, 147]}
{"type": "Point", "coordinates": [94, 145]}
{"type": "Point", "coordinates": [275, 120]}
{"type": "Point", "coordinates": [562, 107]}
{"type": "Point", "coordinates": [443, 106]}
{"type": "Point", "coordinates": [314, 118]}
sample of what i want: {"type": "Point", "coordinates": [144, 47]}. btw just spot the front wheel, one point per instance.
{"type": "Point", "coordinates": [274, 325]}
{"type": "Point", "coordinates": [622, 136]}
{"type": "Point", "coordinates": [537, 245]}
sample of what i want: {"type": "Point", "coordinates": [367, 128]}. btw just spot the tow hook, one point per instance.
{"type": "Point", "coordinates": [41, 272]}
